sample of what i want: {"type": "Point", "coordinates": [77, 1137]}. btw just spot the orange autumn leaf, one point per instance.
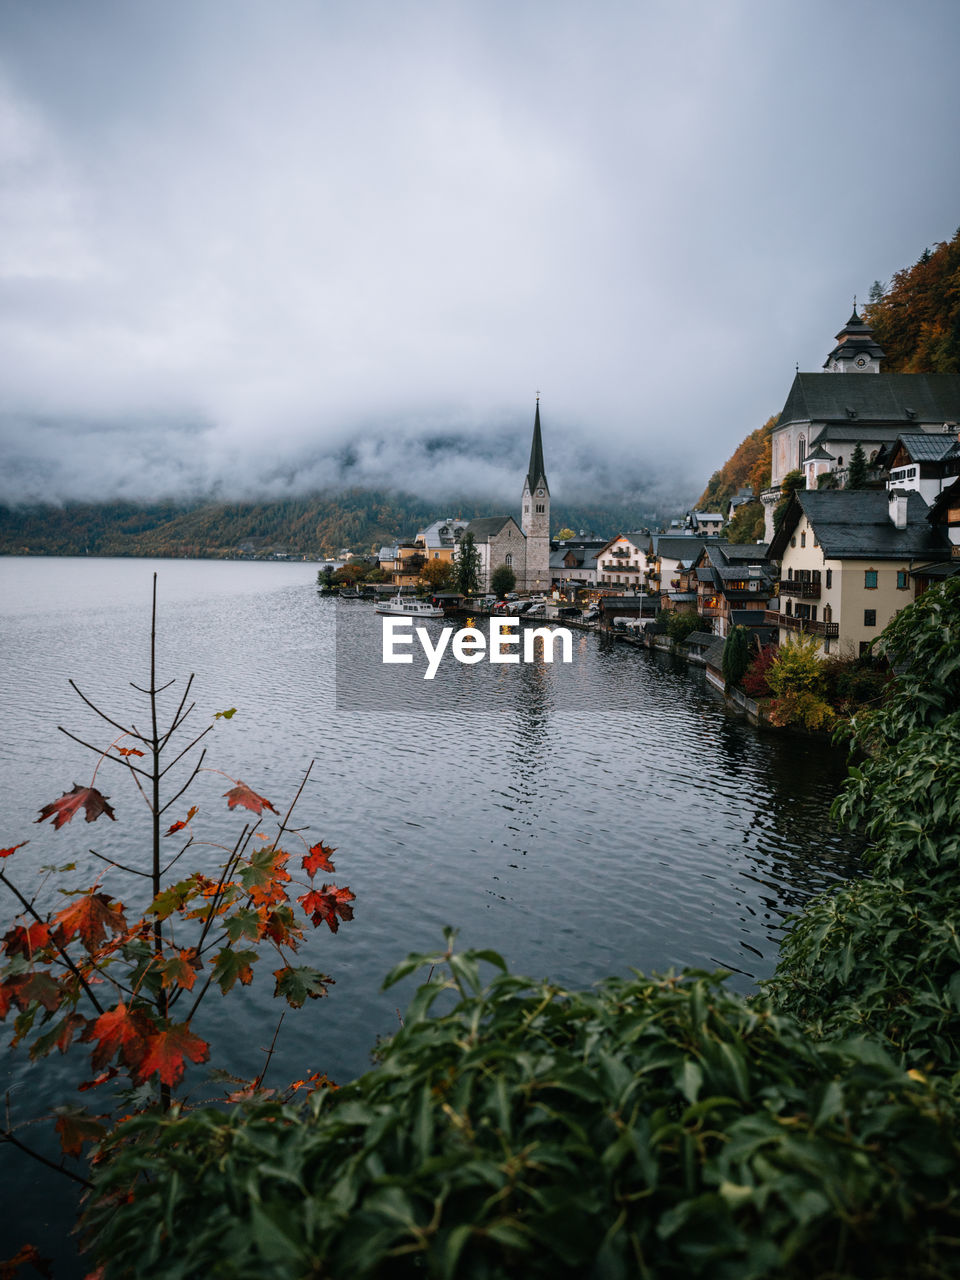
{"type": "Point", "coordinates": [180, 970]}
{"type": "Point", "coordinates": [25, 941]}
{"type": "Point", "coordinates": [90, 915]}
{"type": "Point", "coordinates": [166, 1051]}
{"type": "Point", "coordinates": [246, 797]}
{"type": "Point", "coordinates": [121, 1030]}
{"type": "Point", "coordinates": [326, 904]}
{"type": "Point", "coordinates": [93, 803]}
{"type": "Point", "coordinates": [318, 859]}
{"type": "Point", "coordinates": [179, 826]}
{"type": "Point", "coordinates": [75, 1127]}
{"type": "Point", "coordinates": [127, 751]}
{"type": "Point", "coordinates": [7, 853]}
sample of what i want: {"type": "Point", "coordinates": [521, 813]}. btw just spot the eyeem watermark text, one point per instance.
{"type": "Point", "coordinates": [506, 643]}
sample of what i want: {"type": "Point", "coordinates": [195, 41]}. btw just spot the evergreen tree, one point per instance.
{"type": "Point", "coordinates": [857, 471]}
{"type": "Point", "coordinates": [467, 566]}
{"type": "Point", "coordinates": [736, 655]}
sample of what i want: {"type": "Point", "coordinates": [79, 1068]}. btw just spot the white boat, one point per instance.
{"type": "Point", "coordinates": [405, 607]}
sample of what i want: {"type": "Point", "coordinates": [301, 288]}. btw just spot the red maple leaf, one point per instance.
{"type": "Point", "coordinates": [166, 1051]}
{"type": "Point", "coordinates": [24, 941]}
{"type": "Point", "coordinates": [62, 810]}
{"type": "Point", "coordinates": [326, 904]}
{"type": "Point", "coordinates": [318, 859]}
{"type": "Point", "coordinates": [90, 915]}
{"type": "Point", "coordinates": [28, 988]}
{"type": "Point", "coordinates": [127, 751]}
{"type": "Point", "coordinates": [178, 826]}
{"type": "Point", "coordinates": [121, 1030]}
{"type": "Point", "coordinates": [7, 853]}
{"type": "Point", "coordinates": [75, 1127]}
{"type": "Point", "coordinates": [243, 795]}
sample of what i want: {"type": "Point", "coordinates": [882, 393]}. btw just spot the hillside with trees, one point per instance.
{"type": "Point", "coordinates": [748, 466]}
{"type": "Point", "coordinates": [318, 525]}
{"type": "Point", "coordinates": [916, 317]}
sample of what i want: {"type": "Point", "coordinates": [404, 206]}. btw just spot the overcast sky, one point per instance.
{"type": "Point", "coordinates": [236, 236]}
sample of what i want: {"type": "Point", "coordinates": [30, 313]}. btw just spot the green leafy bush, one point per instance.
{"type": "Point", "coordinates": [652, 1127]}
{"type": "Point", "coordinates": [680, 626]}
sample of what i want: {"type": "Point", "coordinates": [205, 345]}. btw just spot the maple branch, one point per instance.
{"type": "Point", "coordinates": [258, 1083]}
{"type": "Point", "coordinates": [176, 721]}
{"type": "Point", "coordinates": [7, 1135]}
{"type": "Point", "coordinates": [104, 755]}
{"type": "Point", "coordinates": [152, 693]}
{"type": "Point", "coordinates": [196, 770]}
{"type": "Point", "coordinates": [176, 857]}
{"type": "Point", "coordinates": [228, 866]}
{"type": "Point", "coordinates": [28, 906]}
{"type": "Point", "coordinates": [103, 715]}
{"type": "Point", "coordinates": [283, 824]}
{"type": "Point", "coordinates": [119, 865]}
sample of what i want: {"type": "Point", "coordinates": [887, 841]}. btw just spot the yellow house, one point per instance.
{"type": "Point", "coordinates": [849, 563]}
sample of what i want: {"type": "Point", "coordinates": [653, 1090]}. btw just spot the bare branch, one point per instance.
{"type": "Point", "coordinates": [258, 1083]}
{"type": "Point", "coordinates": [189, 747]}
{"type": "Point", "coordinates": [7, 1135]}
{"type": "Point", "coordinates": [103, 715]}
{"type": "Point", "coordinates": [196, 769]}
{"type": "Point", "coordinates": [152, 692]}
{"type": "Point", "coordinates": [120, 866]}
{"type": "Point", "coordinates": [104, 755]}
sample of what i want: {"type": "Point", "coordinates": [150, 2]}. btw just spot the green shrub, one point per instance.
{"type": "Point", "coordinates": [681, 626]}
{"type": "Point", "coordinates": [651, 1127]}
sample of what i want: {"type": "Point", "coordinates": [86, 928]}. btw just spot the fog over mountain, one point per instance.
{"type": "Point", "coordinates": [251, 249]}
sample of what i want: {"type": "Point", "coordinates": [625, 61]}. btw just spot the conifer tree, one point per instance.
{"type": "Point", "coordinates": [467, 566]}
{"type": "Point", "coordinates": [857, 471]}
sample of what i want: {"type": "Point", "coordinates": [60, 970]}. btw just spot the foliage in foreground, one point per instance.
{"type": "Point", "coordinates": [652, 1127]}
{"type": "Point", "coordinates": [884, 954]}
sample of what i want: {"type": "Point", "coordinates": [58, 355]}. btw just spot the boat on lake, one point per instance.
{"type": "Point", "coordinates": [404, 606]}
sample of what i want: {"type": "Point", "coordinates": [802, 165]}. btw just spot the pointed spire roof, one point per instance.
{"type": "Point", "coordinates": [855, 339]}
{"type": "Point", "coordinates": [536, 472]}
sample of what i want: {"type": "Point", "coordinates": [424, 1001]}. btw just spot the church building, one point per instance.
{"type": "Point", "coordinates": [853, 402]}
{"type": "Point", "coordinates": [525, 548]}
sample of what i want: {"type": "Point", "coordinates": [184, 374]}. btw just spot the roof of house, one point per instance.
{"type": "Point", "coordinates": [486, 527]}
{"type": "Point", "coordinates": [873, 397]}
{"type": "Point", "coordinates": [443, 533]}
{"type": "Point", "coordinates": [676, 546]}
{"type": "Point", "coordinates": [924, 447]}
{"type": "Point", "coordinates": [855, 524]}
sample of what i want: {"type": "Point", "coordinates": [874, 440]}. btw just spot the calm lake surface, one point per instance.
{"type": "Point", "coordinates": [582, 820]}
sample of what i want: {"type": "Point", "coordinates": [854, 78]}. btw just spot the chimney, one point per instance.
{"type": "Point", "coordinates": [898, 509]}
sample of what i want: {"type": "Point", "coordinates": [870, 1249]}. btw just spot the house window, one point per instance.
{"type": "Point", "coordinates": [870, 579]}
{"type": "Point", "coordinates": [801, 451]}
{"type": "Point", "coordinates": [903, 580]}
{"type": "Point", "coordinates": [526, 508]}
{"type": "Point", "coordinates": [789, 608]}
{"type": "Point", "coordinates": [793, 542]}
{"type": "Point", "coordinates": [540, 508]}
{"type": "Point", "coordinates": [789, 575]}
{"type": "Point", "coordinates": [803, 539]}
{"type": "Point", "coordinates": [829, 577]}
{"type": "Point", "coordinates": [864, 647]}
{"type": "Point", "coordinates": [869, 617]}
{"type": "Point", "coordinates": [508, 560]}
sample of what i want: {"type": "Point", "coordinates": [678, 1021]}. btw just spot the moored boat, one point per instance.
{"type": "Point", "coordinates": [404, 606]}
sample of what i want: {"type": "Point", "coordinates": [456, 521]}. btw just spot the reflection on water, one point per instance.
{"type": "Point", "coordinates": [581, 819]}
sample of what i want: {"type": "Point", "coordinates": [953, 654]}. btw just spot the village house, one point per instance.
{"type": "Point", "coordinates": [850, 561]}
{"type": "Point", "coordinates": [926, 463]}
{"type": "Point", "coordinates": [666, 554]}
{"type": "Point", "coordinates": [573, 565]}
{"type": "Point", "coordinates": [734, 585]}
{"type": "Point", "coordinates": [439, 541]}
{"type": "Point", "coordinates": [622, 561]}
{"type": "Point", "coordinates": [706, 523]}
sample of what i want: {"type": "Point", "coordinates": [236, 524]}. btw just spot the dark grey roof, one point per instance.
{"type": "Point", "coordinates": [486, 527]}
{"type": "Point", "coordinates": [873, 397]}
{"type": "Point", "coordinates": [923, 447]}
{"type": "Point", "coordinates": [819, 454]}
{"type": "Point", "coordinates": [855, 524]}
{"type": "Point", "coordinates": [752, 551]}
{"type": "Point", "coordinates": [681, 597]}
{"type": "Point", "coordinates": [700, 638]}
{"type": "Point", "coordinates": [676, 546]}
{"type": "Point", "coordinates": [748, 618]}
{"type": "Point", "coordinates": [713, 657]}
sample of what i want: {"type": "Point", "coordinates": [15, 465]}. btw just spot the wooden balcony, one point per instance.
{"type": "Point", "coordinates": [804, 590]}
{"type": "Point", "coordinates": [803, 625]}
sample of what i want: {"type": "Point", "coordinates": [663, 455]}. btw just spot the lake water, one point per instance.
{"type": "Point", "coordinates": [582, 819]}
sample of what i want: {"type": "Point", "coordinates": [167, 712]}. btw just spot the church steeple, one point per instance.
{"type": "Point", "coordinates": [536, 472]}
{"type": "Point", "coordinates": [857, 350]}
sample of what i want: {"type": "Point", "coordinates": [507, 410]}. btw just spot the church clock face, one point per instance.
{"type": "Point", "coordinates": [861, 362]}
{"type": "Point", "coordinates": [539, 493]}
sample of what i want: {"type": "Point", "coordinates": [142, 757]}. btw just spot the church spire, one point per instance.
{"type": "Point", "coordinates": [536, 472]}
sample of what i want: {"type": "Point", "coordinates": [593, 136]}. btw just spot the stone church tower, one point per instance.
{"type": "Point", "coordinates": [535, 517]}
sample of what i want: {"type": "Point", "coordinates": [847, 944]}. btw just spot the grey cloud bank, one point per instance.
{"type": "Point", "coordinates": [263, 249]}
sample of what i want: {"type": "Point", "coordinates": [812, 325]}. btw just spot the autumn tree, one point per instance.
{"type": "Point", "coordinates": [119, 982]}
{"type": "Point", "coordinates": [916, 319]}
{"type": "Point", "coordinates": [438, 575]}
{"type": "Point", "coordinates": [790, 483]}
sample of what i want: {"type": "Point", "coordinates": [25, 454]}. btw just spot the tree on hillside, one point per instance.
{"type": "Point", "coordinates": [565, 534]}
{"type": "Point", "coordinates": [749, 465]}
{"type": "Point", "coordinates": [916, 319]}
{"type": "Point", "coordinates": [857, 471]}
{"type": "Point", "coordinates": [467, 566]}
{"type": "Point", "coordinates": [502, 580]}
{"type": "Point", "coordinates": [792, 481]}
